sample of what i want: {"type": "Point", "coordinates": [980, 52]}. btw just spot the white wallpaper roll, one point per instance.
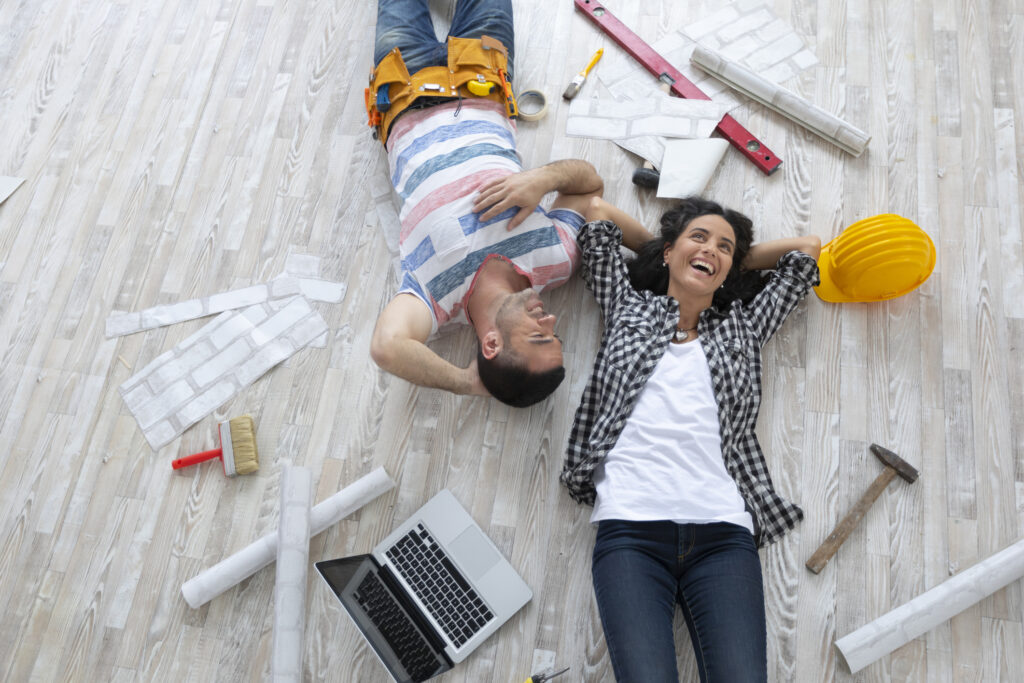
{"type": "Point", "coordinates": [232, 570]}
{"type": "Point", "coordinates": [814, 118]}
{"type": "Point", "coordinates": [898, 627]}
{"type": "Point", "coordinates": [290, 582]}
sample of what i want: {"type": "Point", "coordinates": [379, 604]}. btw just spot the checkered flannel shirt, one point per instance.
{"type": "Point", "coordinates": [638, 329]}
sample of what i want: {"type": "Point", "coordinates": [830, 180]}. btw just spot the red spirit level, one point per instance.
{"type": "Point", "coordinates": [729, 128]}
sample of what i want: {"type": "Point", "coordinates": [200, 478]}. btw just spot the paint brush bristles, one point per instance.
{"type": "Point", "coordinates": [237, 450]}
{"type": "Point", "coordinates": [243, 445]}
{"type": "Point", "coordinates": [573, 88]}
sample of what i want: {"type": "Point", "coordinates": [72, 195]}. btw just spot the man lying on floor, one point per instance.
{"type": "Point", "coordinates": [476, 247]}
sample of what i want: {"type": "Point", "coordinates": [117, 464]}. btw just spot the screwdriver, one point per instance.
{"type": "Point", "coordinates": [543, 678]}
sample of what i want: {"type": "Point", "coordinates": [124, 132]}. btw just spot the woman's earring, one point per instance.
{"type": "Point", "coordinates": [664, 264]}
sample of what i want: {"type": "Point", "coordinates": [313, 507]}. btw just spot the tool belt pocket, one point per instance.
{"type": "Point", "coordinates": [486, 55]}
{"type": "Point", "coordinates": [390, 72]}
{"type": "Point", "coordinates": [483, 61]}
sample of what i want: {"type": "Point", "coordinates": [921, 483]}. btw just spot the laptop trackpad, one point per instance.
{"type": "Point", "coordinates": [473, 553]}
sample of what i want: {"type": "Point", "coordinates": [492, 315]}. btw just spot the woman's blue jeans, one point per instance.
{"type": "Point", "coordinates": [406, 24]}
{"type": "Point", "coordinates": [642, 569]}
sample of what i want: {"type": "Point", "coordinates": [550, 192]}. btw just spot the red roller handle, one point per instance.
{"type": "Point", "coordinates": [197, 458]}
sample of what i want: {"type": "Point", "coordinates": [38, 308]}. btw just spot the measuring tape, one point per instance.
{"type": "Point", "coordinates": [729, 128]}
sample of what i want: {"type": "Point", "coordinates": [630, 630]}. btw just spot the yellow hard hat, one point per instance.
{"type": "Point", "coordinates": [877, 258]}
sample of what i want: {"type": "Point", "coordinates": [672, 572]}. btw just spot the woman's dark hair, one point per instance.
{"type": "Point", "coordinates": [647, 271]}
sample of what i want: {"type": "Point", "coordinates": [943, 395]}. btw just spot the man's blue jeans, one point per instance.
{"type": "Point", "coordinates": [640, 571]}
{"type": "Point", "coordinates": [406, 24]}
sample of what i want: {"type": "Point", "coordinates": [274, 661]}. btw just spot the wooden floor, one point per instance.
{"type": "Point", "coordinates": [179, 148]}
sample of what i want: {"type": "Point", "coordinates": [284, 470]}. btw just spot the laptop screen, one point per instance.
{"type": "Point", "coordinates": [406, 645]}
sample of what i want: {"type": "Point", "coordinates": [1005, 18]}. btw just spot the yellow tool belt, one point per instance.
{"type": "Point", "coordinates": [392, 90]}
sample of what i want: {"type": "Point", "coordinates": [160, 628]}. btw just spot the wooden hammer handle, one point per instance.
{"type": "Point", "coordinates": [828, 548]}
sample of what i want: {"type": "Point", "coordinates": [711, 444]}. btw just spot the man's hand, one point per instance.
{"type": "Point", "coordinates": [574, 180]}
{"type": "Point", "coordinates": [524, 189]}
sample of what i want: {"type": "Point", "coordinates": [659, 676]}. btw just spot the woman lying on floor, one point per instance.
{"type": "Point", "coordinates": [663, 443]}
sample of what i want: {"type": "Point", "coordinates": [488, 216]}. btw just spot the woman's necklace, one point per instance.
{"type": "Point", "coordinates": [679, 336]}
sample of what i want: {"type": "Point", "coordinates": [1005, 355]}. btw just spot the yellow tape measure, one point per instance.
{"type": "Point", "coordinates": [480, 88]}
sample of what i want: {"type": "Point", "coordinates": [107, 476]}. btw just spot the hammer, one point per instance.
{"type": "Point", "coordinates": [894, 465]}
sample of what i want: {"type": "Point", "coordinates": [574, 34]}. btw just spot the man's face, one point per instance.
{"type": "Point", "coordinates": [529, 331]}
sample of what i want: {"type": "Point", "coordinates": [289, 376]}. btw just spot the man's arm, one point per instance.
{"type": "Point", "coordinates": [634, 234]}
{"type": "Point", "coordinates": [398, 346]}
{"type": "Point", "coordinates": [574, 179]}
{"type": "Point", "coordinates": [765, 255]}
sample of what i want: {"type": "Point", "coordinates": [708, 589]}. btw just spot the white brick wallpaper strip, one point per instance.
{"type": "Point", "coordinates": [120, 323]}
{"type": "Point", "coordinates": [660, 115]}
{"type": "Point", "coordinates": [292, 567]}
{"type": "Point", "coordinates": [322, 290]}
{"type": "Point", "coordinates": [302, 265]}
{"type": "Point", "coordinates": [235, 568]}
{"type": "Point", "coordinates": [625, 79]}
{"type": "Point", "coordinates": [649, 147]}
{"type": "Point", "coordinates": [746, 32]}
{"type": "Point", "coordinates": [187, 383]}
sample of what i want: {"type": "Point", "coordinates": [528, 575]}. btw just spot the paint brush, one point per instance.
{"type": "Point", "coordinates": [573, 88]}
{"type": "Point", "coordinates": [237, 450]}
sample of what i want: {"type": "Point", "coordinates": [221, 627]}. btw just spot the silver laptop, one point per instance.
{"type": "Point", "coordinates": [430, 592]}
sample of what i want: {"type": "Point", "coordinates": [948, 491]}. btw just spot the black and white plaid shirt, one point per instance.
{"type": "Point", "coordinates": [638, 329]}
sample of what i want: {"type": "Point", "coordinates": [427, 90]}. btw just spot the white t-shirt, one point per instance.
{"type": "Point", "coordinates": [667, 463]}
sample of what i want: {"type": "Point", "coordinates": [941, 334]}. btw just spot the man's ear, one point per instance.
{"type": "Point", "coordinates": [491, 344]}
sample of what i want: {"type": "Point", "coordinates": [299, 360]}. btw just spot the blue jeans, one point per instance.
{"type": "Point", "coordinates": [406, 24]}
{"type": "Point", "coordinates": [640, 571]}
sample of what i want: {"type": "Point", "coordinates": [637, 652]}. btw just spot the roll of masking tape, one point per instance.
{"type": "Point", "coordinates": [533, 106]}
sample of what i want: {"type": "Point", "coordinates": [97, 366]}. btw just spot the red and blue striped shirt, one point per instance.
{"type": "Point", "coordinates": [439, 159]}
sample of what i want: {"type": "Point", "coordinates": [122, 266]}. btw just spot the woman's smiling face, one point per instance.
{"type": "Point", "coordinates": [701, 257]}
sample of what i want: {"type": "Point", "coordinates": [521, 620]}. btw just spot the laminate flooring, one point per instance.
{"type": "Point", "coordinates": [180, 148]}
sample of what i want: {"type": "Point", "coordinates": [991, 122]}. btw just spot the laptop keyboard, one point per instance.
{"type": "Point", "coordinates": [412, 649]}
{"type": "Point", "coordinates": [439, 585]}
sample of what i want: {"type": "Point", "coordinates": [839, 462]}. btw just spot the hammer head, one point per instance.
{"type": "Point", "coordinates": [890, 459]}
{"type": "Point", "coordinates": [646, 177]}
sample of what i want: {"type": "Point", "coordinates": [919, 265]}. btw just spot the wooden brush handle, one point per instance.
{"type": "Point", "coordinates": [197, 458]}
{"type": "Point", "coordinates": [828, 548]}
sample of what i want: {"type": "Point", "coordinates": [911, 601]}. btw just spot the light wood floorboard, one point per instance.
{"type": "Point", "coordinates": [181, 148]}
